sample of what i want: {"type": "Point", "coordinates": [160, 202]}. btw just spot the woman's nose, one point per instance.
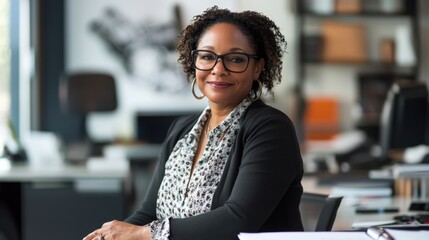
{"type": "Point", "coordinates": [219, 66]}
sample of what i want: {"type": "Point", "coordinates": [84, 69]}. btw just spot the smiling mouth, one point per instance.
{"type": "Point", "coordinates": [219, 84]}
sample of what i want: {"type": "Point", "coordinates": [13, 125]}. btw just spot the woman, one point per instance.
{"type": "Point", "coordinates": [237, 166]}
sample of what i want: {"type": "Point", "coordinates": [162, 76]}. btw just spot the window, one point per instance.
{"type": "Point", "coordinates": [4, 61]}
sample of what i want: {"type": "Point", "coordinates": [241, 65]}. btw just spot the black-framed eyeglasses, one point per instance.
{"type": "Point", "coordinates": [236, 62]}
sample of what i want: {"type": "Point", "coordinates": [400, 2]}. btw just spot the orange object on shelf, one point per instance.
{"type": "Point", "coordinates": [348, 6]}
{"type": "Point", "coordinates": [321, 119]}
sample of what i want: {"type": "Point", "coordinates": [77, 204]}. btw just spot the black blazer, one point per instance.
{"type": "Point", "coordinates": [260, 188]}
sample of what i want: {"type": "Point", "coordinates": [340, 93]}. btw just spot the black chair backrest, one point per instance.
{"type": "Point", "coordinates": [318, 211]}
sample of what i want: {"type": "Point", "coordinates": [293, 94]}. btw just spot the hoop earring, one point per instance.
{"type": "Point", "coordinates": [258, 94]}
{"type": "Point", "coordinates": [193, 91]}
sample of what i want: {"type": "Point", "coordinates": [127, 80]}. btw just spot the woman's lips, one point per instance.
{"type": "Point", "coordinates": [219, 85]}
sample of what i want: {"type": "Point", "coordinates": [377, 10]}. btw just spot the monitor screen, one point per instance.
{"type": "Point", "coordinates": [404, 118]}
{"type": "Point", "coordinates": [152, 127]}
{"type": "Point", "coordinates": [373, 89]}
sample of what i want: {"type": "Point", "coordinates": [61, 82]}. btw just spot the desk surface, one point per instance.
{"type": "Point", "coordinates": [25, 172]}
{"type": "Point", "coordinates": [346, 214]}
{"type": "Point", "coordinates": [94, 169]}
{"type": "Point", "coordinates": [39, 197]}
{"type": "Point", "coordinates": [140, 152]}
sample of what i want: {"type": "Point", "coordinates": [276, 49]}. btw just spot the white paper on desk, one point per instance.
{"type": "Point", "coordinates": [365, 225]}
{"type": "Point", "coordinates": [305, 236]}
{"type": "Point", "coordinates": [103, 164]}
{"type": "Point", "coordinates": [409, 234]}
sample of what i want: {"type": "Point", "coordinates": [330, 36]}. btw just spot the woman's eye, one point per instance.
{"type": "Point", "coordinates": [207, 57]}
{"type": "Point", "coordinates": [236, 59]}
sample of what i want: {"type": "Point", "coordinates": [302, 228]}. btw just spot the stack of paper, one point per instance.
{"type": "Point", "coordinates": [305, 236]}
{"type": "Point", "coordinates": [408, 170]}
{"type": "Point", "coordinates": [393, 234]}
{"type": "Point", "coordinates": [362, 190]}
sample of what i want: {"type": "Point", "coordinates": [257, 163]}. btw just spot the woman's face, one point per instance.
{"type": "Point", "coordinates": [220, 85]}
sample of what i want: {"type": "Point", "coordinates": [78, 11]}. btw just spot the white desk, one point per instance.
{"type": "Point", "coordinates": [65, 201]}
{"type": "Point", "coordinates": [346, 214]}
{"type": "Point", "coordinates": [139, 152]}
{"type": "Point", "coordinates": [26, 173]}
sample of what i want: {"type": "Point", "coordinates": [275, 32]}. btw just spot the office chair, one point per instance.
{"type": "Point", "coordinates": [318, 211]}
{"type": "Point", "coordinates": [82, 93]}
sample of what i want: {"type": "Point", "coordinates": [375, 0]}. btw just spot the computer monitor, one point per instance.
{"type": "Point", "coordinates": [373, 89]}
{"type": "Point", "coordinates": [152, 127]}
{"type": "Point", "coordinates": [404, 117]}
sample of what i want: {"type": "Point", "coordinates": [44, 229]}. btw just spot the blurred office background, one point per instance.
{"type": "Point", "coordinates": [342, 58]}
{"type": "Point", "coordinates": [134, 42]}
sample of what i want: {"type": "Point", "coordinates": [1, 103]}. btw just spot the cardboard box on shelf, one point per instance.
{"type": "Point", "coordinates": [343, 42]}
{"type": "Point", "coordinates": [348, 6]}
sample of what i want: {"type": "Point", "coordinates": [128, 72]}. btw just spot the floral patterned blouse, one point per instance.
{"type": "Point", "coordinates": [183, 195]}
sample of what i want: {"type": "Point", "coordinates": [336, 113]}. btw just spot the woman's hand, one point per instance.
{"type": "Point", "coordinates": [117, 230]}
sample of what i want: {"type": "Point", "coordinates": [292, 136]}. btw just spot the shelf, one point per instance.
{"type": "Point", "coordinates": [358, 15]}
{"type": "Point", "coordinates": [369, 63]}
{"type": "Point", "coordinates": [311, 47]}
{"type": "Point", "coordinates": [364, 39]}
{"type": "Point", "coordinates": [368, 8]}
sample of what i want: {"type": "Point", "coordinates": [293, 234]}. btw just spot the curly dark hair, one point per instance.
{"type": "Point", "coordinates": [263, 34]}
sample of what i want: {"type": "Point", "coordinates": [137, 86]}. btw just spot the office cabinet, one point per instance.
{"type": "Point", "coordinates": [59, 210]}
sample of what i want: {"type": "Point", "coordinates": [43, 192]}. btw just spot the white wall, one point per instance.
{"type": "Point", "coordinates": [86, 51]}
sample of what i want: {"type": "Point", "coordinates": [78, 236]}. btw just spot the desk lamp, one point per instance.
{"type": "Point", "coordinates": [82, 93]}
